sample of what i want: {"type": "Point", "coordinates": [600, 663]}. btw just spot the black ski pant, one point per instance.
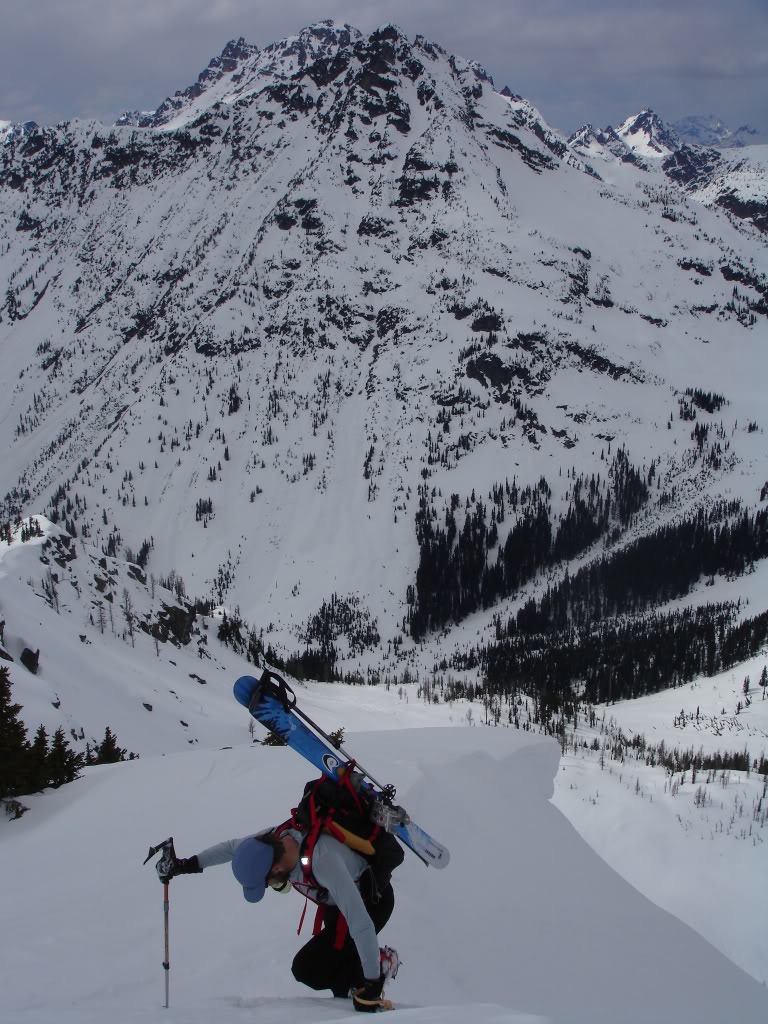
{"type": "Point", "coordinates": [320, 966]}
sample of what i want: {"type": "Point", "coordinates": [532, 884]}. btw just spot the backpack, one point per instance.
{"type": "Point", "coordinates": [345, 809]}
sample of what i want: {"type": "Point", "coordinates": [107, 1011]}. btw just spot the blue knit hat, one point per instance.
{"type": "Point", "coordinates": [251, 865]}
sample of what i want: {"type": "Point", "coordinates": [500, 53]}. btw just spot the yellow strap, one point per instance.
{"type": "Point", "coordinates": [385, 1004]}
{"type": "Point", "coordinates": [363, 846]}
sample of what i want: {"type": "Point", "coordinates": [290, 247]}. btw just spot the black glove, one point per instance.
{"type": "Point", "coordinates": [370, 996]}
{"type": "Point", "coordinates": [168, 868]}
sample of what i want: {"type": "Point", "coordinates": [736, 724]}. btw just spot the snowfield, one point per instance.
{"type": "Point", "coordinates": [526, 923]}
{"type": "Point", "coordinates": [540, 911]}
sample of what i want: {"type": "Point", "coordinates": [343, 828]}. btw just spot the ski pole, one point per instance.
{"type": "Point", "coordinates": [162, 867]}
{"type": "Point", "coordinates": [167, 961]}
{"type": "Point", "coordinates": [385, 789]}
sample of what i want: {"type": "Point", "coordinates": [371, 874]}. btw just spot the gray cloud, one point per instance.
{"type": "Point", "coordinates": [577, 60]}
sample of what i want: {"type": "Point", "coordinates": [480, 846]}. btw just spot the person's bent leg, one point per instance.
{"type": "Point", "coordinates": [313, 963]}
{"type": "Point", "coordinates": [319, 966]}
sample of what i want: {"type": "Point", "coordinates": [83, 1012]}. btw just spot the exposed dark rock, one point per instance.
{"type": "Point", "coordinates": [531, 157]}
{"type": "Point", "coordinates": [173, 623]}
{"type": "Point", "coordinates": [489, 369]}
{"type": "Point", "coordinates": [416, 190]}
{"type": "Point", "coordinates": [387, 320]}
{"type": "Point", "coordinates": [746, 209]}
{"type": "Point", "coordinates": [135, 573]}
{"type": "Point", "coordinates": [691, 167]}
{"type": "Point", "coordinates": [30, 660]}
{"type": "Point", "coordinates": [596, 362]}
{"type": "Point", "coordinates": [461, 312]}
{"type": "Point", "coordinates": [700, 268]}
{"type": "Point", "coordinates": [27, 223]}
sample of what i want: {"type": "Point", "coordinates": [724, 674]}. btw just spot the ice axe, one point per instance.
{"type": "Point", "coordinates": [164, 867]}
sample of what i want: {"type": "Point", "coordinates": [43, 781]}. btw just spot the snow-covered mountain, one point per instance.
{"type": "Point", "coordinates": [10, 132]}
{"type": "Point", "coordinates": [218, 81]}
{"type": "Point", "coordinates": [270, 340]}
{"type": "Point", "coordinates": [648, 136]}
{"type": "Point", "coordinates": [345, 359]}
{"type": "Point", "coordinates": [735, 180]}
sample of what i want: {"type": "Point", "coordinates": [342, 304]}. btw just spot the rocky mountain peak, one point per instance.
{"type": "Point", "coordinates": [228, 64]}
{"type": "Point", "coordinates": [648, 135]}
{"type": "Point", "coordinates": [10, 132]}
{"type": "Point", "coordinates": [590, 142]}
{"type": "Point", "coordinates": [320, 41]}
{"type": "Point", "coordinates": [582, 136]}
{"type": "Point", "coordinates": [234, 53]}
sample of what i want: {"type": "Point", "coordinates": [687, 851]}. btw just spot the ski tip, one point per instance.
{"type": "Point", "coordinates": [435, 858]}
{"type": "Point", "coordinates": [243, 689]}
{"type": "Point", "coordinates": [443, 860]}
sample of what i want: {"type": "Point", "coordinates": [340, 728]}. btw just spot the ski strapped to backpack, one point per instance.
{"type": "Point", "coordinates": [282, 695]}
{"type": "Point", "coordinates": [344, 809]}
{"type": "Point", "coordinates": [272, 702]}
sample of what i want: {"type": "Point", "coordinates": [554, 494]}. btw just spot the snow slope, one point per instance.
{"type": "Point", "coordinates": [694, 844]}
{"type": "Point", "coordinates": [670, 836]}
{"type": "Point", "coordinates": [526, 923]}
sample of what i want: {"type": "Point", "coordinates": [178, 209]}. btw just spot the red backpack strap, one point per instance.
{"type": "Point", "coordinates": [303, 915]}
{"type": "Point", "coordinates": [345, 779]}
{"type": "Point", "coordinates": [342, 930]}
{"type": "Point", "coordinates": [310, 839]}
{"type": "Point", "coordinates": [319, 917]}
{"type": "Point", "coordinates": [291, 823]}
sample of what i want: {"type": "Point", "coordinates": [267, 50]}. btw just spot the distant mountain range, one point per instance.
{"type": "Point", "coordinates": [707, 130]}
{"type": "Point", "coordinates": [363, 350]}
{"type": "Point", "coordinates": [646, 134]}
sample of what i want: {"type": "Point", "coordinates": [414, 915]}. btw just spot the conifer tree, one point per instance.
{"type": "Point", "coordinates": [108, 752]}
{"type": "Point", "coordinates": [63, 763]}
{"type": "Point", "coordinates": [13, 742]}
{"type": "Point", "coordinates": [38, 761]}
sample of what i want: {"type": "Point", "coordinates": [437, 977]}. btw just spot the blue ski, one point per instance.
{"type": "Point", "coordinates": [270, 701]}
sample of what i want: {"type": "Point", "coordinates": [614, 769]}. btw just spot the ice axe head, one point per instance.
{"type": "Point", "coordinates": [168, 855]}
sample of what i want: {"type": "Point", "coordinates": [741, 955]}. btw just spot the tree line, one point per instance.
{"type": "Point", "coordinates": [457, 573]}
{"type": "Point", "coordinates": [616, 659]}
{"type": "Point", "coordinates": [653, 570]}
{"type": "Point", "coordinates": [29, 767]}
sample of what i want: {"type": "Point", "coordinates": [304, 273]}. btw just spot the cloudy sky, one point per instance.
{"type": "Point", "coordinates": [577, 60]}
